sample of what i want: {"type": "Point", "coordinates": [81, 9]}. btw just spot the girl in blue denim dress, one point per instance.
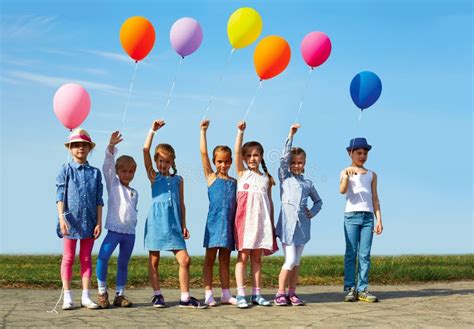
{"type": "Point", "coordinates": [219, 232]}
{"type": "Point", "coordinates": [294, 223]}
{"type": "Point", "coordinates": [165, 227]}
{"type": "Point", "coordinates": [362, 202]}
{"type": "Point", "coordinates": [79, 204]}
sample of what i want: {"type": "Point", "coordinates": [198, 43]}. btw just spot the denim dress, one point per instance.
{"type": "Point", "coordinates": [83, 195]}
{"type": "Point", "coordinates": [219, 231]}
{"type": "Point", "coordinates": [163, 229]}
{"type": "Point", "coordinates": [294, 226]}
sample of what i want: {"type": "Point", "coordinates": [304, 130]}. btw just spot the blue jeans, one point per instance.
{"type": "Point", "coordinates": [111, 241]}
{"type": "Point", "coordinates": [358, 230]}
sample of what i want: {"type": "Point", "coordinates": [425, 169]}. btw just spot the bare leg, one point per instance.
{"type": "Point", "coordinates": [184, 262]}
{"type": "Point", "coordinates": [208, 267]}
{"type": "Point", "coordinates": [224, 267]}
{"type": "Point", "coordinates": [240, 267]}
{"type": "Point", "coordinates": [256, 266]}
{"type": "Point", "coordinates": [153, 262]}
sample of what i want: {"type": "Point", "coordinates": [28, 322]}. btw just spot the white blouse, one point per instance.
{"type": "Point", "coordinates": [122, 204]}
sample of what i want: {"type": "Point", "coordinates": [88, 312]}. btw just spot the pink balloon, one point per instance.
{"type": "Point", "coordinates": [186, 36]}
{"type": "Point", "coordinates": [315, 48]}
{"type": "Point", "coordinates": [71, 104]}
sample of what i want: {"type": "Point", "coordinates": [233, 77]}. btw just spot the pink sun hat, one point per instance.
{"type": "Point", "coordinates": [80, 135]}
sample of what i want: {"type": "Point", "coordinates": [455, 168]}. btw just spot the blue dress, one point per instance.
{"type": "Point", "coordinates": [221, 216]}
{"type": "Point", "coordinates": [163, 230]}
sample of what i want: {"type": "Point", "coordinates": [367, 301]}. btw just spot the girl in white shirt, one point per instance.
{"type": "Point", "coordinates": [121, 221]}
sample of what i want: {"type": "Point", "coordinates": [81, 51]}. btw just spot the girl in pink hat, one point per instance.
{"type": "Point", "coordinates": [79, 202]}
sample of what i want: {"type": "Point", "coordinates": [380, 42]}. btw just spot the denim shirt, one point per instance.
{"type": "Point", "coordinates": [84, 194]}
{"type": "Point", "coordinates": [294, 226]}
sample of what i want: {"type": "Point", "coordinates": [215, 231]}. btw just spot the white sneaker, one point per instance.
{"type": "Point", "coordinates": [210, 301]}
{"type": "Point", "coordinates": [67, 306]}
{"type": "Point", "coordinates": [230, 301]}
{"type": "Point", "coordinates": [88, 303]}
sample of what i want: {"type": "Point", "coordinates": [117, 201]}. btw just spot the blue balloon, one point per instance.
{"type": "Point", "coordinates": [366, 88]}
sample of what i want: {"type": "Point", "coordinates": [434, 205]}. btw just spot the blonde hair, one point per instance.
{"type": "Point", "coordinates": [220, 148]}
{"type": "Point", "coordinates": [253, 144]}
{"type": "Point", "coordinates": [125, 160]}
{"type": "Point", "coordinates": [168, 151]}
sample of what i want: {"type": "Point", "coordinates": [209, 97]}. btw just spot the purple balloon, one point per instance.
{"type": "Point", "coordinates": [186, 36]}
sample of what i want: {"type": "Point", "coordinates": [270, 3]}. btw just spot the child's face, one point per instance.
{"type": "Point", "coordinates": [222, 161]}
{"type": "Point", "coordinates": [253, 158]}
{"type": "Point", "coordinates": [359, 157]}
{"type": "Point", "coordinates": [126, 173]}
{"type": "Point", "coordinates": [164, 163]}
{"type": "Point", "coordinates": [80, 151]}
{"type": "Point", "coordinates": [297, 164]}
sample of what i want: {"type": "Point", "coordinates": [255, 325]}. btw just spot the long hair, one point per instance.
{"type": "Point", "coordinates": [254, 144]}
{"type": "Point", "coordinates": [168, 151]}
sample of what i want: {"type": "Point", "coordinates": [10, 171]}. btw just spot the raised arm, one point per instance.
{"type": "Point", "coordinates": [239, 164]}
{"type": "Point", "coordinates": [157, 124]}
{"type": "Point", "coordinates": [108, 167]}
{"type": "Point", "coordinates": [206, 164]}
{"type": "Point", "coordinates": [285, 159]}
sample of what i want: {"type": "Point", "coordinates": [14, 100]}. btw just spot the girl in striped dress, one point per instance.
{"type": "Point", "coordinates": [254, 228]}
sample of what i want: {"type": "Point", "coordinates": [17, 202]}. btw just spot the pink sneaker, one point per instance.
{"type": "Point", "coordinates": [295, 300]}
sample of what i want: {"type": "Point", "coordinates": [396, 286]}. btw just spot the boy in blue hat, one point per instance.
{"type": "Point", "coordinates": [362, 202]}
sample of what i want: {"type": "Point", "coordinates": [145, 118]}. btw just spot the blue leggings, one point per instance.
{"type": "Point", "coordinates": [126, 241]}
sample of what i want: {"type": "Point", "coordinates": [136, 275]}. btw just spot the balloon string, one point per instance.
{"type": "Point", "coordinates": [303, 94]}
{"type": "Point", "coordinates": [172, 88]}
{"type": "Point", "coordinates": [129, 94]}
{"type": "Point", "coordinates": [211, 99]}
{"type": "Point", "coordinates": [253, 99]}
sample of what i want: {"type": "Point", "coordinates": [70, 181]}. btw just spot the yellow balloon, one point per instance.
{"type": "Point", "coordinates": [244, 27]}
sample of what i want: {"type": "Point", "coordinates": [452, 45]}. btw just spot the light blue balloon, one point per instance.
{"type": "Point", "coordinates": [366, 88]}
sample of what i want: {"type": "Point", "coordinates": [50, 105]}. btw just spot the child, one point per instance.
{"type": "Point", "coordinates": [219, 234]}
{"type": "Point", "coordinates": [294, 223]}
{"type": "Point", "coordinates": [254, 229]}
{"type": "Point", "coordinates": [79, 203]}
{"type": "Point", "coordinates": [360, 186]}
{"type": "Point", "coordinates": [165, 227]}
{"type": "Point", "coordinates": [121, 222]}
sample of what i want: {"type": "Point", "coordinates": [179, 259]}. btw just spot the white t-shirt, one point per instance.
{"type": "Point", "coordinates": [359, 192]}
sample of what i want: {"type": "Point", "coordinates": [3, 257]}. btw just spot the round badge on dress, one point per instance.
{"type": "Point", "coordinates": [246, 186]}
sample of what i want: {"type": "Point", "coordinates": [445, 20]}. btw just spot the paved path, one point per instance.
{"type": "Point", "coordinates": [425, 305]}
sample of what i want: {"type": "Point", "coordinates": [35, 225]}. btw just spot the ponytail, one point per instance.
{"type": "Point", "coordinates": [175, 171]}
{"type": "Point", "coordinates": [264, 167]}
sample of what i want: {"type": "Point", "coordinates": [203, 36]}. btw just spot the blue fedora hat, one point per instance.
{"type": "Point", "coordinates": [358, 143]}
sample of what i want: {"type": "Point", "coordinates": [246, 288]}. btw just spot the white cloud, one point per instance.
{"type": "Point", "coordinates": [25, 26]}
{"type": "Point", "coordinates": [109, 55]}
{"type": "Point", "coordinates": [56, 82]}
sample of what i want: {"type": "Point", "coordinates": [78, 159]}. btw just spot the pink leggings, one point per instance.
{"type": "Point", "coordinates": [84, 256]}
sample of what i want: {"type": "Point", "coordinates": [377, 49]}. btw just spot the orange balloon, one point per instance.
{"type": "Point", "coordinates": [137, 36]}
{"type": "Point", "coordinates": [271, 56]}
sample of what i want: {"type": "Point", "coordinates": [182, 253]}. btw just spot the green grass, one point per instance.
{"type": "Point", "coordinates": [43, 271]}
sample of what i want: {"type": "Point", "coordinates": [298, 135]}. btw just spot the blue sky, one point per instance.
{"type": "Point", "coordinates": [420, 129]}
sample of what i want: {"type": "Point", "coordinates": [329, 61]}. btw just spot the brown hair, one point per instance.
{"type": "Point", "coordinates": [253, 144]}
{"type": "Point", "coordinates": [168, 151]}
{"type": "Point", "coordinates": [125, 160]}
{"type": "Point", "coordinates": [220, 148]}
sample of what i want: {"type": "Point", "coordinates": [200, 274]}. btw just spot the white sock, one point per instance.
{"type": "Point", "coordinates": [241, 291]}
{"type": "Point", "coordinates": [119, 290]}
{"type": "Point", "coordinates": [157, 292]}
{"type": "Point", "coordinates": [209, 297]}
{"type": "Point", "coordinates": [255, 291]}
{"type": "Point", "coordinates": [185, 296]}
{"type": "Point", "coordinates": [67, 297]}
{"type": "Point", "coordinates": [85, 296]}
{"type": "Point", "coordinates": [102, 287]}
